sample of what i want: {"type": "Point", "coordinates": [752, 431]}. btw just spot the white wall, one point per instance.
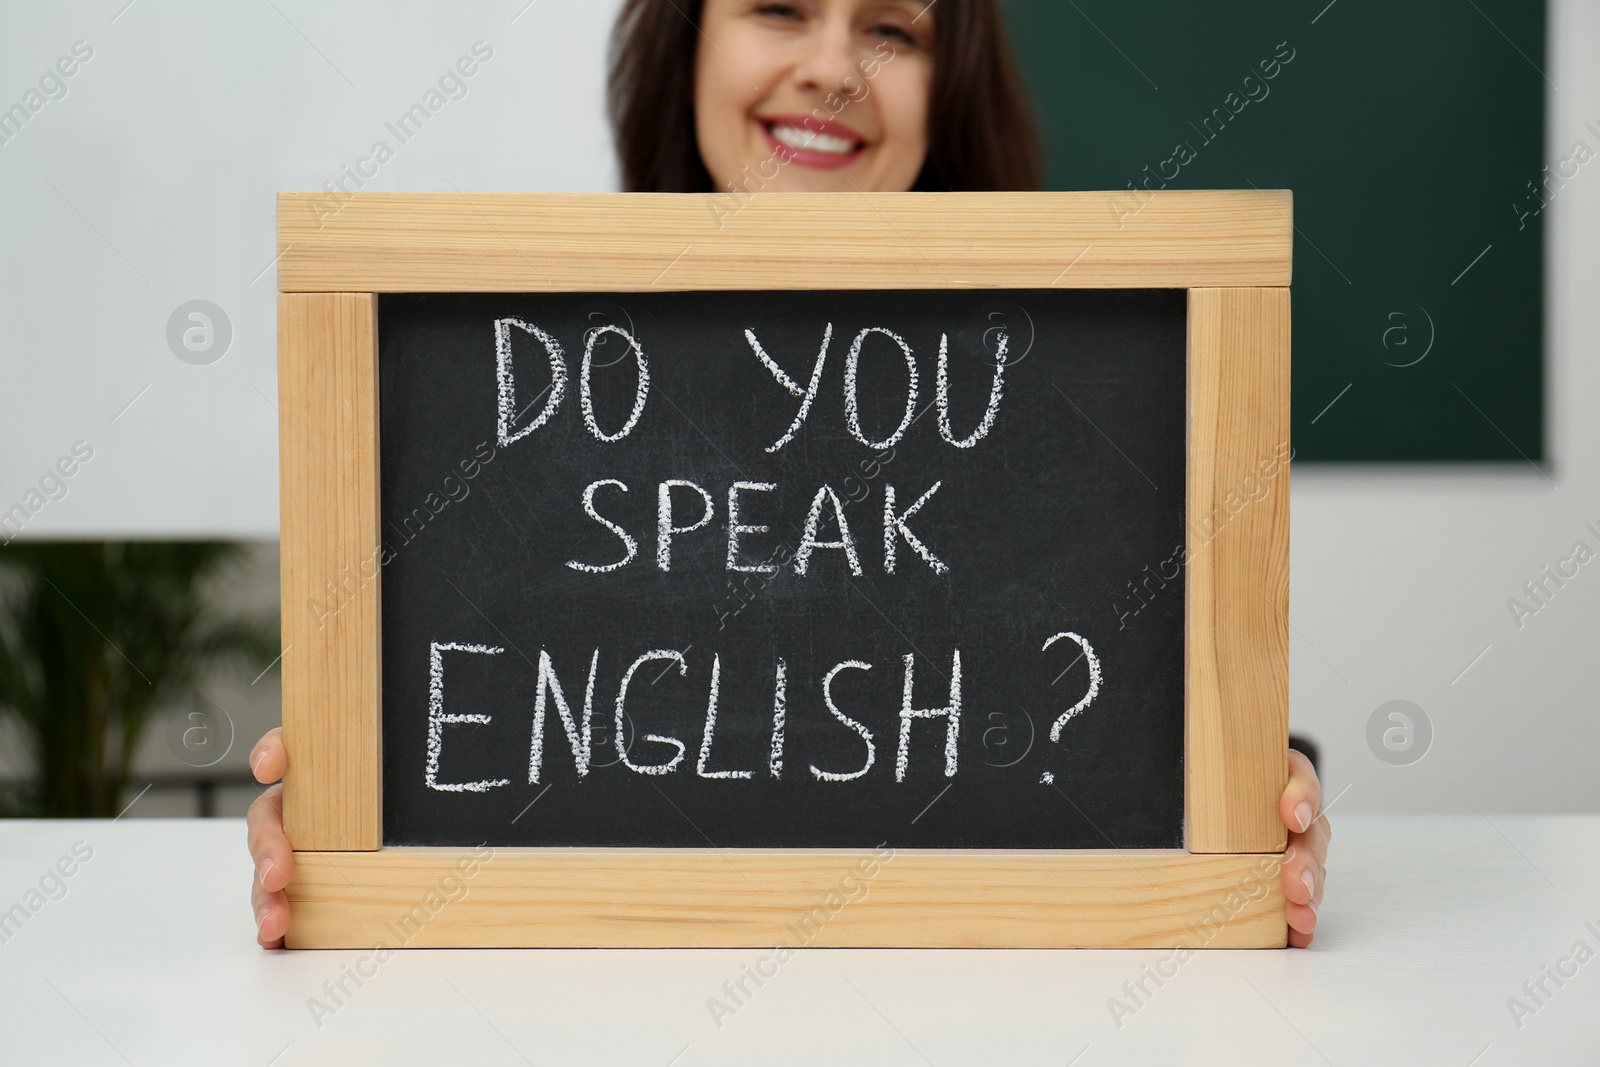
{"type": "Point", "coordinates": [151, 183]}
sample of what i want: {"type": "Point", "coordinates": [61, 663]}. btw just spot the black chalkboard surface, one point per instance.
{"type": "Point", "coordinates": [548, 515]}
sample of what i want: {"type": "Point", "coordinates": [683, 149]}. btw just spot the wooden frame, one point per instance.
{"type": "Point", "coordinates": [1230, 250]}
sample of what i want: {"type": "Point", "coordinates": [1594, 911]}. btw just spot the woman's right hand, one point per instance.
{"type": "Point", "coordinates": [269, 846]}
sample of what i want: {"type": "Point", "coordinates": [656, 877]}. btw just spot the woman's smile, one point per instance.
{"type": "Point", "coordinates": [810, 141]}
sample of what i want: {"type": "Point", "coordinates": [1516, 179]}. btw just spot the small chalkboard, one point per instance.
{"type": "Point", "coordinates": [783, 568]}
{"type": "Point", "coordinates": [645, 616]}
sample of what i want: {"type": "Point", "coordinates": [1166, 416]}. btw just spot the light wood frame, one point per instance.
{"type": "Point", "coordinates": [1230, 250]}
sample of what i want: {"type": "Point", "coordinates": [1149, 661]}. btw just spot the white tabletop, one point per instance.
{"type": "Point", "coordinates": [1431, 925]}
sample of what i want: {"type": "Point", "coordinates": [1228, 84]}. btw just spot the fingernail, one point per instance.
{"type": "Point", "coordinates": [1302, 815]}
{"type": "Point", "coordinates": [261, 872]}
{"type": "Point", "coordinates": [256, 759]}
{"type": "Point", "coordinates": [261, 915]}
{"type": "Point", "coordinates": [1311, 885]}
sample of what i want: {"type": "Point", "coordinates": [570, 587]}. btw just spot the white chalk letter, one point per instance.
{"type": "Point", "coordinates": [807, 395]}
{"type": "Point", "coordinates": [627, 541]}
{"type": "Point", "coordinates": [894, 528]}
{"type": "Point", "coordinates": [864, 733]}
{"type": "Point", "coordinates": [711, 727]}
{"type": "Point", "coordinates": [622, 697]}
{"type": "Point", "coordinates": [808, 539]}
{"type": "Point", "coordinates": [735, 528]}
{"type": "Point", "coordinates": [665, 530]}
{"type": "Point", "coordinates": [942, 393]}
{"type": "Point", "coordinates": [507, 381]}
{"type": "Point", "coordinates": [779, 713]}
{"type": "Point", "coordinates": [852, 409]}
{"type": "Point", "coordinates": [586, 397]}
{"type": "Point", "coordinates": [951, 711]}
{"type": "Point", "coordinates": [438, 720]}
{"type": "Point", "coordinates": [577, 737]}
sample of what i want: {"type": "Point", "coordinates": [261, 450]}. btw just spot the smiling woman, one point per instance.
{"type": "Point", "coordinates": [819, 96]}
{"type": "Point", "coordinates": [743, 96]}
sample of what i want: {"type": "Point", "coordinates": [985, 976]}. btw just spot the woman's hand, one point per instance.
{"type": "Point", "coordinates": [1300, 808]}
{"type": "Point", "coordinates": [269, 847]}
{"type": "Point", "coordinates": [1303, 861]}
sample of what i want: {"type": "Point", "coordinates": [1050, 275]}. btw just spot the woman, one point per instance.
{"type": "Point", "coordinates": [741, 97]}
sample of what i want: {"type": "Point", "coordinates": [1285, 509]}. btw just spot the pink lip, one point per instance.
{"type": "Point", "coordinates": [806, 157]}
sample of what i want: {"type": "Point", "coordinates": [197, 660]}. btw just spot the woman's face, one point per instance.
{"type": "Point", "coordinates": [814, 95]}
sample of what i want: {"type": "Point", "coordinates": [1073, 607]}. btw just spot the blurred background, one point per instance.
{"type": "Point", "coordinates": [1443, 621]}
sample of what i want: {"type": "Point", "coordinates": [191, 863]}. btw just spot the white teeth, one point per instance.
{"type": "Point", "coordinates": [795, 137]}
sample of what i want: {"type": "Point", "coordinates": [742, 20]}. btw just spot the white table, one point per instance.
{"type": "Point", "coordinates": [1431, 924]}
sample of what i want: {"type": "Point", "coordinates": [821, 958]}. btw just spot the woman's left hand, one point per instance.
{"type": "Point", "coordinates": [1304, 861]}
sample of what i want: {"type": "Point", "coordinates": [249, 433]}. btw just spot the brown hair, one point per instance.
{"type": "Point", "coordinates": [982, 139]}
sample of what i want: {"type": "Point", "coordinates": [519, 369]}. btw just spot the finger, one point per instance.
{"type": "Point", "coordinates": [1317, 858]}
{"type": "Point", "coordinates": [272, 917]}
{"type": "Point", "coordinates": [1302, 797]}
{"type": "Point", "coordinates": [274, 862]}
{"type": "Point", "coordinates": [269, 759]}
{"type": "Point", "coordinates": [1315, 843]}
{"type": "Point", "coordinates": [274, 866]}
{"type": "Point", "coordinates": [1302, 873]}
{"type": "Point", "coordinates": [265, 821]}
{"type": "Point", "coordinates": [1301, 917]}
{"type": "Point", "coordinates": [1299, 940]}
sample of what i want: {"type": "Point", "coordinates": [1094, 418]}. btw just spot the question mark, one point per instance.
{"type": "Point", "coordinates": [1094, 689]}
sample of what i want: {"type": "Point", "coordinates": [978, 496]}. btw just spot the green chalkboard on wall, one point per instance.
{"type": "Point", "coordinates": [1412, 136]}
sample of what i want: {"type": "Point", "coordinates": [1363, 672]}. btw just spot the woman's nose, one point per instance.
{"type": "Point", "coordinates": [828, 61]}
